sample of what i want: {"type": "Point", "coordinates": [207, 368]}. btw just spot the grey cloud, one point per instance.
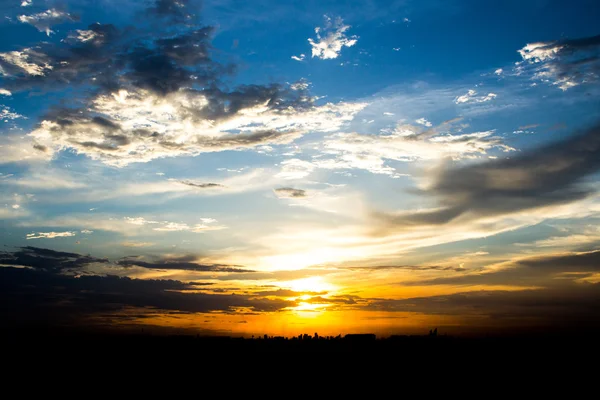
{"type": "Point", "coordinates": [532, 271]}
{"type": "Point", "coordinates": [181, 263]}
{"type": "Point", "coordinates": [176, 10]}
{"type": "Point", "coordinates": [549, 175]}
{"type": "Point", "coordinates": [49, 66]}
{"type": "Point", "coordinates": [568, 62]}
{"type": "Point", "coordinates": [47, 299]}
{"type": "Point", "coordinates": [201, 185]}
{"type": "Point", "coordinates": [43, 294]}
{"type": "Point", "coordinates": [408, 267]}
{"type": "Point", "coordinates": [569, 306]}
{"type": "Point", "coordinates": [288, 192]}
{"type": "Point", "coordinates": [48, 260]}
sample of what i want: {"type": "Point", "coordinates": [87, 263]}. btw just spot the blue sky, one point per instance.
{"type": "Point", "coordinates": [390, 150]}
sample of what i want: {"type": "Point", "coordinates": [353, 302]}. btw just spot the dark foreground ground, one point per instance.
{"type": "Point", "coordinates": [556, 346]}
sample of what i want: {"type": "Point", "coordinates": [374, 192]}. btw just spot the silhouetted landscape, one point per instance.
{"type": "Point", "coordinates": [182, 345]}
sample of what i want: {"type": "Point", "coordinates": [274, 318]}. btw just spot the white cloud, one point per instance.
{"type": "Point", "coordinates": [49, 235]}
{"type": "Point", "coordinates": [6, 114]}
{"type": "Point", "coordinates": [301, 57]}
{"type": "Point", "coordinates": [331, 39]}
{"type": "Point", "coordinates": [369, 152]}
{"type": "Point", "coordinates": [197, 228]}
{"type": "Point", "coordinates": [129, 226]}
{"type": "Point", "coordinates": [85, 35]}
{"type": "Point", "coordinates": [295, 168]}
{"type": "Point", "coordinates": [4, 92]}
{"type": "Point", "coordinates": [301, 85]}
{"type": "Point", "coordinates": [15, 148]}
{"type": "Point", "coordinates": [48, 179]}
{"type": "Point", "coordinates": [566, 63]}
{"type": "Point", "coordinates": [423, 121]}
{"type": "Point", "coordinates": [43, 21]}
{"type": "Point", "coordinates": [499, 71]}
{"type": "Point", "coordinates": [137, 244]}
{"type": "Point", "coordinates": [26, 3]}
{"type": "Point", "coordinates": [538, 52]}
{"type": "Point", "coordinates": [471, 97]}
{"type": "Point", "coordinates": [143, 126]}
{"type": "Point", "coordinates": [27, 60]}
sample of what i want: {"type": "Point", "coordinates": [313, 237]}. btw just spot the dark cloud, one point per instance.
{"type": "Point", "coordinates": [553, 270]}
{"type": "Point", "coordinates": [48, 66]}
{"type": "Point", "coordinates": [176, 10]}
{"type": "Point", "coordinates": [568, 61]}
{"type": "Point", "coordinates": [573, 304]}
{"type": "Point", "coordinates": [186, 263]}
{"type": "Point", "coordinates": [48, 260]}
{"type": "Point", "coordinates": [408, 267]}
{"type": "Point", "coordinates": [288, 192]}
{"type": "Point", "coordinates": [286, 293]}
{"type": "Point", "coordinates": [201, 185]}
{"type": "Point", "coordinates": [43, 294]}
{"type": "Point", "coordinates": [46, 298]}
{"type": "Point", "coordinates": [549, 175]}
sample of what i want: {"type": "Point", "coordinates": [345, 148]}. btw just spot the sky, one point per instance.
{"type": "Point", "coordinates": [244, 168]}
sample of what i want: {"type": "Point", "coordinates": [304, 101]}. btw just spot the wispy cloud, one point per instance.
{"type": "Point", "coordinates": [49, 235]}
{"type": "Point", "coordinates": [43, 21]}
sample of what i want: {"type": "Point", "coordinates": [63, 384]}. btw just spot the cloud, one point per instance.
{"type": "Point", "coordinates": [26, 3]}
{"type": "Point", "coordinates": [295, 168]}
{"type": "Point", "coordinates": [407, 144]}
{"type": "Point", "coordinates": [48, 260]}
{"type": "Point", "coordinates": [564, 63]}
{"type": "Point", "coordinates": [7, 115]}
{"type": "Point", "coordinates": [301, 57]}
{"type": "Point", "coordinates": [290, 193]}
{"type": "Point", "coordinates": [199, 185]}
{"type": "Point", "coordinates": [167, 226]}
{"type": "Point", "coordinates": [424, 122]}
{"type": "Point", "coordinates": [49, 235]}
{"type": "Point", "coordinates": [175, 10]}
{"type": "Point", "coordinates": [551, 270]}
{"type": "Point", "coordinates": [407, 267]}
{"type": "Point", "coordinates": [186, 263]}
{"type": "Point", "coordinates": [139, 126]}
{"type": "Point", "coordinates": [70, 62]}
{"type": "Point", "coordinates": [570, 307]}
{"type": "Point", "coordinates": [43, 21]}
{"type": "Point", "coordinates": [159, 97]}
{"type": "Point", "coordinates": [471, 97]}
{"type": "Point", "coordinates": [54, 291]}
{"type": "Point", "coordinates": [4, 92]}
{"type": "Point", "coordinates": [544, 176]}
{"type": "Point", "coordinates": [137, 244]}
{"type": "Point", "coordinates": [331, 39]}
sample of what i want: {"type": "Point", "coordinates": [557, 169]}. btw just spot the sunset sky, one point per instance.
{"type": "Point", "coordinates": [249, 167]}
